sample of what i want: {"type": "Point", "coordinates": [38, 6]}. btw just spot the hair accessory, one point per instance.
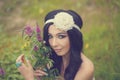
{"type": "Point", "coordinates": [18, 64]}
{"type": "Point", "coordinates": [63, 21]}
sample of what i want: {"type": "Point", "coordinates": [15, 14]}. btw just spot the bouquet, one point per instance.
{"type": "Point", "coordinates": [38, 52]}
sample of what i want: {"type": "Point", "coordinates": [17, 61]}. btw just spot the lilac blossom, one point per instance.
{"type": "Point", "coordinates": [2, 72]}
{"type": "Point", "coordinates": [35, 48]}
{"type": "Point", "coordinates": [38, 33]}
{"type": "Point", "coordinates": [28, 31]}
{"type": "Point", "coordinates": [39, 38]}
{"type": "Point", "coordinates": [38, 29]}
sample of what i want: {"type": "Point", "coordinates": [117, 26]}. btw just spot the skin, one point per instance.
{"type": "Point", "coordinates": [25, 69]}
{"type": "Point", "coordinates": [59, 42]}
{"type": "Point", "coordinates": [86, 70]}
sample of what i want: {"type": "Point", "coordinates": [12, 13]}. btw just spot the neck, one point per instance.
{"type": "Point", "coordinates": [65, 60]}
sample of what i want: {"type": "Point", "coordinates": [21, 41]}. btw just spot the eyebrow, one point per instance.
{"type": "Point", "coordinates": [60, 33]}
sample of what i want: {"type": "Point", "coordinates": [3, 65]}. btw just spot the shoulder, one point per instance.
{"type": "Point", "coordinates": [86, 62]}
{"type": "Point", "coordinates": [86, 69]}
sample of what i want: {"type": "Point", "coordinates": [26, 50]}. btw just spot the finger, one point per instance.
{"type": "Point", "coordinates": [44, 69]}
{"type": "Point", "coordinates": [41, 72]}
{"type": "Point", "coordinates": [22, 67]}
{"type": "Point", "coordinates": [23, 59]}
{"type": "Point", "coordinates": [38, 74]}
{"type": "Point", "coordinates": [19, 58]}
{"type": "Point", "coordinates": [38, 78]}
{"type": "Point", "coordinates": [28, 63]}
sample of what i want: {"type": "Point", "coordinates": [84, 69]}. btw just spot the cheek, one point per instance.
{"type": "Point", "coordinates": [66, 45]}
{"type": "Point", "coordinates": [50, 43]}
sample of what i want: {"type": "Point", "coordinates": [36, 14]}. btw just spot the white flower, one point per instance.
{"type": "Point", "coordinates": [63, 21]}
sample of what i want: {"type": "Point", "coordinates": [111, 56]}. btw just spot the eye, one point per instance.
{"type": "Point", "coordinates": [49, 36]}
{"type": "Point", "coordinates": [61, 36]}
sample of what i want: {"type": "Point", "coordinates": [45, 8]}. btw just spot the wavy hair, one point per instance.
{"type": "Point", "coordinates": [76, 45]}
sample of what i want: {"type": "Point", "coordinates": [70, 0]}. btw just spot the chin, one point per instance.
{"type": "Point", "coordinates": [59, 54]}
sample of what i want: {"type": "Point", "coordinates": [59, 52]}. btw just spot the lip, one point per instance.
{"type": "Point", "coordinates": [57, 50]}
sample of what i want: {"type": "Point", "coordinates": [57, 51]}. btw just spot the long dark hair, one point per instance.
{"type": "Point", "coordinates": [76, 45]}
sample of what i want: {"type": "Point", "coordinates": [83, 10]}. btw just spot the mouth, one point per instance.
{"type": "Point", "coordinates": [57, 50]}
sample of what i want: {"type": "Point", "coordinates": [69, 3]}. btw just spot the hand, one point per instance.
{"type": "Point", "coordinates": [25, 68]}
{"type": "Point", "coordinates": [39, 73]}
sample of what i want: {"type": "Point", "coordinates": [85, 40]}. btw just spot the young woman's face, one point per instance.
{"type": "Point", "coordinates": [58, 40]}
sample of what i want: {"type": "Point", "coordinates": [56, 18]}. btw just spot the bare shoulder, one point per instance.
{"type": "Point", "coordinates": [86, 70]}
{"type": "Point", "coordinates": [86, 62]}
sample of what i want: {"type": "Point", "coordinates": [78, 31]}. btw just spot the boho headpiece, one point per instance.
{"type": "Point", "coordinates": [63, 21]}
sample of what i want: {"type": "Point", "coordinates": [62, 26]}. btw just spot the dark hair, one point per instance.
{"type": "Point", "coordinates": [76, 45]}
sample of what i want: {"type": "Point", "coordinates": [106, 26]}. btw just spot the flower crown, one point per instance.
{"type": "Point", "coordinates": [63, 21]}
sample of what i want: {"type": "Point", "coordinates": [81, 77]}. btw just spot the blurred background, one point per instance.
{"type": "Point", "coordinates": [101, 32]}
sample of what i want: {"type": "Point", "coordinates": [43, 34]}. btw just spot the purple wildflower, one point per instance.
{"type": "Point", "coordinates": [38, 29]}
{"type": "Point", "coordinates": [35, 48]}
{"type": "Point", "coordinates": [2, 72]}
{"type": "Point", "coordinates": [38, 33]}
{"type": "Point", "coordinates": [39, 38]}
{"type": "Point", "coordinates": [28, 31]}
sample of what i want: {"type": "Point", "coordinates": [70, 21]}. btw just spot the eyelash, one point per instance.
{"type": "Point", "coordinates": [59, 36]}
{"type": "Point", "coordinates": [49, 36]}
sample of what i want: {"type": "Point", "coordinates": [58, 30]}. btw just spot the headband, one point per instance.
{"type": "Point", "coordinates": [63, 21]}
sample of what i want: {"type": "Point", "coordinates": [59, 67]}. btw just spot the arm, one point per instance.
{"type": "Point", "coordinates": [86, 69]}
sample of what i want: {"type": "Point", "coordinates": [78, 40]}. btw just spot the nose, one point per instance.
{"type": "Point", "coordinates": [54, 42]}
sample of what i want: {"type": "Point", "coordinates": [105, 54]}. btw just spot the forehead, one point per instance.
{"type": "Point", "coordinates": [53, 30]}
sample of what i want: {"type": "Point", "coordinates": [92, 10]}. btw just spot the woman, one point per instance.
{"type": "Point", "coordinates": [62, 33]}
